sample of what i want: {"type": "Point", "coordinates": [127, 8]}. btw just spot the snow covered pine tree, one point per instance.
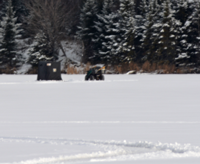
{"type": "Point", "coordinates": [189, 40]}
{"type": "Point", "coordinates": [151, 30]}
{"type": "Point", "coordinates": [140, 28]}
{"type": "Point", "coordinates": [115, 29]}
{"type": "Point", "coordinates": [106, 33]}
{"type": "Point", "coordinates": [41, 51]}
{"type": "Point", "coordinates": [86, 29]}
{"type": "Point", "coordinates": [9, 32]}
{"type": "Point", "coordinates": [166, 39]}
{"type": "Point", "coordinates": [127, 31]}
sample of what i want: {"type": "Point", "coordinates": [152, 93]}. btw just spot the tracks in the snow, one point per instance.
{"type": "Point", "coordinates": [113, 150]}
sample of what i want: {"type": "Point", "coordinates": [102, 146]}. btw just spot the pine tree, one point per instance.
{"type": "Point", "coordinates": [108, 29]}
{"type": "Point", "coordinates": [107, 7]}
{"type": "Point", "coordinates": [182, 11]}
{"type": "Point", "coordinates": [10, 32]}
{"type": "Point", "coordinates": [181, 14]}
{"type": "Point", "coordinates": [167, 39]}
{"type": "Point", "coordinates": [41, 51]}
{"type": "Point", "coordinates": [18, 6]}
{"type": "Point", "coordinates": [21, 10]}
{"type": "Point", "coordinates": [109, 39]}
{"type": "Point", "coordinates": [140, 28]}
{"type": "Point", "coordinates": [127, 31]}
{"type": "Point", "coordinates": [157, 15]}
{"type": "Point", "coordinates": [115, 39]}
{"type": "Point", "coordinates": [189, 38]}
{"type": "Point", "coordinates": [86, 29]}
{"type": "Point", "coordinates": [2, 8]}
{"type": "Point", "coordinates": [151, 32]}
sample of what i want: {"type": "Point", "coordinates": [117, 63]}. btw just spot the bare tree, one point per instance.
{"type": "Point", "coordinates": [52, 18]}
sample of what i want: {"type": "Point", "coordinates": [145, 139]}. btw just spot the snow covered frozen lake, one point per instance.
{"type": "Point", "coordinates": [126, 119]}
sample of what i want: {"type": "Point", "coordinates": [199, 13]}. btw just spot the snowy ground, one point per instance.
{"type": "Point", "coordinates": [126, 119]}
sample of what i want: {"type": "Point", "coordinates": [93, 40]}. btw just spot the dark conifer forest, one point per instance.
{"type": "Point", "coordinates": [131, 34]}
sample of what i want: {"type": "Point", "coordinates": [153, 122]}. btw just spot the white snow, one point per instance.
{"type": "Point", "coordinates": [73, 51]}
{"type": "Point", "coordinates": [143, 119]}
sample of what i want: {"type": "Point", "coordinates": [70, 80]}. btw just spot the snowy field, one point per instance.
{"type": "Point", "coordinates": [126, 119]}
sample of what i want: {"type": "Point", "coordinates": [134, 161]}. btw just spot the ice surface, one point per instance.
{"type": "Point", "coordinates": [124, 119]}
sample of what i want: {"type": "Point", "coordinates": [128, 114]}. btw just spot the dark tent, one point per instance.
{"type": "Point", "coordinates": [49, 71]}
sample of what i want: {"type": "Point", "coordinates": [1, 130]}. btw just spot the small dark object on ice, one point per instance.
{"type": "Point", "coordinates": [95, 73]}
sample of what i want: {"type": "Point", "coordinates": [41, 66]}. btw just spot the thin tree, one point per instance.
{"type": "Point", "coordinates": [52, 19]}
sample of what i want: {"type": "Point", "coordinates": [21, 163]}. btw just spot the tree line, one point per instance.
{"type": "Point", "coordinates": [113, 32]}
{"type": "Point", "coordinates": [157, 31]}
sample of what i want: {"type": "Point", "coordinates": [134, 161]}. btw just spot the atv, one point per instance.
{"type": "Point", "coordinates": [95, 73]}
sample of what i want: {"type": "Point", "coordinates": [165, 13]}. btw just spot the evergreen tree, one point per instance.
{"type": "Point", "coordinates": [157, 15]}
{"type": "Point", "coordinates": [140, 28]}
{"type": "Point", "coordinates": [21, 10]}
{"type": "Point", "coordinates": [107, 7]}
{"type": "Point", "coordinates": [127, 31]}
{"type": "Point", "coordinates": [108, 30]}
{"type": "Point", "coordinates": [18, 6]}
{"type": "Point", "coordinates": [115, 37]}
{"type": "Point", "coordinates": [182, 11]}
{"type": "Point", "coordinates": [22, 14]}
{"type": "Point", "coordinates": [86, 29]}
{"type": "Point", "coordinates": [181, 14]}
{"type": "Point", "coordinates": [189, 41]}
{"type": "Point", "coordinates": [152, 29]}
{"type": "Point", "coordinates": [2, 8]}
{"type": "Point", "coordinates": [110, 41]}
{"type": "Point", "coordinates": [41, 51]}
{"type": "Point", "coordinates": [10, 32]}
{"type": "Point", "coordinates": [167, 39]}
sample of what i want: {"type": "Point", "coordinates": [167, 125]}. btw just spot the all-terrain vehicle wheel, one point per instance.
{"type": "Point", "coordinates": [102, 77]}
{"type": "Point", "coordinates": [92, 77]}
{"type": "Point", "coordinates": [86, 78]}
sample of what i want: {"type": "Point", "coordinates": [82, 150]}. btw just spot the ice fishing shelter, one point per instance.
{"type": "Point", "coordinates": [49, 71]}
